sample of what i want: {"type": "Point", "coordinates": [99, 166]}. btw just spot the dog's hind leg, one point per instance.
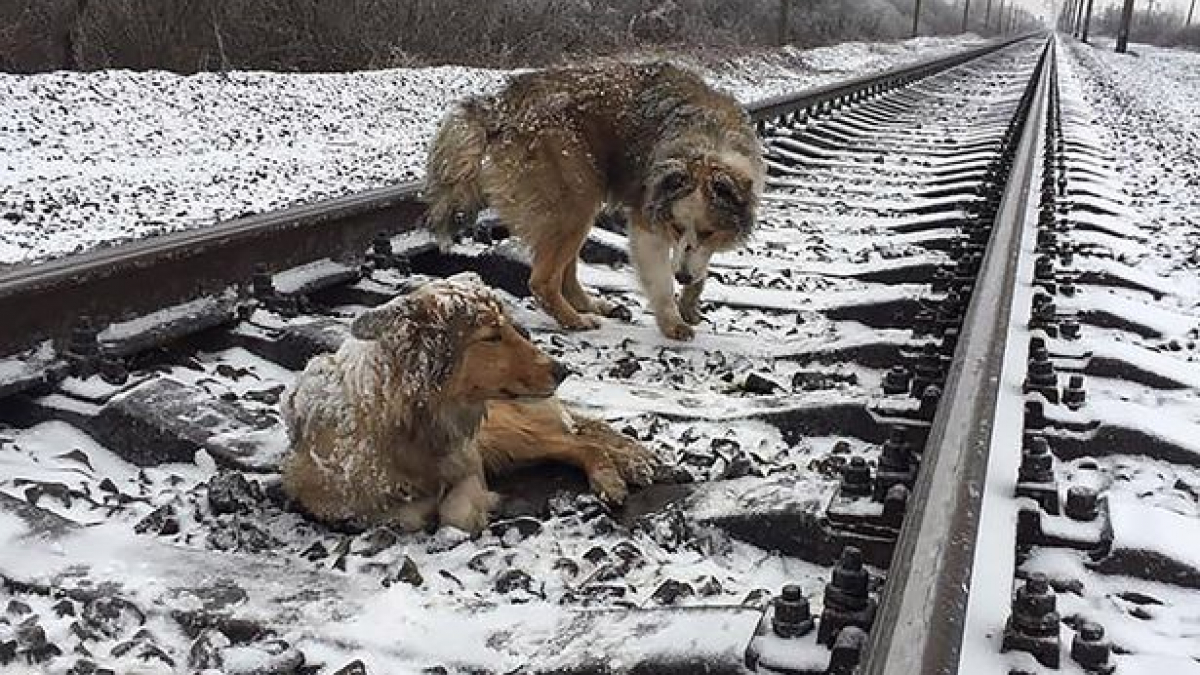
{"type": "Point", "coordinates": [577, 295]}
{"type": "Point", "coordinates": [555, 252]}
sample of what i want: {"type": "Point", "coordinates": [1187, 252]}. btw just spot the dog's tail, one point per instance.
{"type": "Point", "coordinates": [452, 174]}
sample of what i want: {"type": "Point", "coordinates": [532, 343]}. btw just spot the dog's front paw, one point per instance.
{"type": "Point", "coordinates": [676, 329]}
{"type": "Point", "coordinates": [690, 313]}
{"type": "Point", "coordinates": [608, 484]}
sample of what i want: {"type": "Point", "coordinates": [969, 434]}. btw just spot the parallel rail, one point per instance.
{"type": "Point", "coordinates": [923, 612]}
{"type": "Point", "coordinates": [44, 301]}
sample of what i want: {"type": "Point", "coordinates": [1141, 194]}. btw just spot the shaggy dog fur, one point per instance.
{"type": "Point", "coordinates": [432, 389]}
{"type": "Point", "coordinates": [680, 159]}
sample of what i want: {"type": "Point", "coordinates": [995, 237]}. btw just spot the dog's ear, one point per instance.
{"type": "Point", "coordinates": [729, 192]}
{"type": "Point", "coordinates": [732, 196]}
{"type": "Point", "coordinates": [669, 180]}
{"type": "Point", "coordinates": [378, 322]}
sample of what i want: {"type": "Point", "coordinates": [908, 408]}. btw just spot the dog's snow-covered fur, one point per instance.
{"type": "Point", "coordinates": [399, 425]}
{"type": "Point", "coordinates": [679, 158]}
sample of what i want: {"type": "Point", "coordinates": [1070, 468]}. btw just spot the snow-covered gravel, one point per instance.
{"type": "Point", "coordinates": [98, 158]}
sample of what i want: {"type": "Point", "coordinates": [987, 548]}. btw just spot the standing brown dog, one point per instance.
{"type": "Point", "coordinates": [553, 147]}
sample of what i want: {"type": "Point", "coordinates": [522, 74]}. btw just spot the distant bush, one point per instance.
{"type": "Point", "coordinates": [335, 35]}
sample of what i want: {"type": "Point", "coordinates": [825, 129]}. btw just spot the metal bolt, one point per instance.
{"type": "Point", "coordinates": [1090, 650]}
{"type": "Point", "coordinates": [897, 380]}
{"type": "Point", "coordinates": [1074, 396]}
{"type": "Point", "coordinates": [1035, 415]}
{"type": "Point", "coordinates": [856, 478]}
{"type": "Point", "coordinates": [847, 651]}
{"type": "Point", "coordinates": [1082, 503]}
{"type": "Point", "coordinates": [261, 283]}
{"type": "Point", "coordinates": [929, 402]}
{"type": "Point", "coordinates": [792, 616]}
{"type": "Point", "coordinates": [895, 503]}
{"type": "Point", "coordinates": [1037, 464]}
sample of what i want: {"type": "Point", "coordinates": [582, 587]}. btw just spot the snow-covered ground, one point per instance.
{"type": "Point", "coordinates": [98, 158]}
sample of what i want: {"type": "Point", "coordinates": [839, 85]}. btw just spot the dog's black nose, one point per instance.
{"type": "Point", "coordinates": [683, 277]}
{"type": "Point", "coordinates": [561, 371]}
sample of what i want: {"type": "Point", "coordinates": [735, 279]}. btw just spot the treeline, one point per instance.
{"type": "Point", "coordinates": [1163, 28]}
{"type": "Point", "coordinates": [337, 35]}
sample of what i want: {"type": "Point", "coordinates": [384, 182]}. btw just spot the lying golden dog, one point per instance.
{"type": "Point", "coordinates": [432, 389]}
{"type": "Point", "coordinates": [553, 147]}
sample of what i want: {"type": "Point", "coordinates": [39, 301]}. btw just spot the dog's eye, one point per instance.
{"type": "Point", "coordinates": [724, 191]}
{"type": "Point", "coordinates": [493, 337]}
{"type": "Point", "coordinates": [705, 235]}
{"type": "Point", "coordinates": [673, 182]}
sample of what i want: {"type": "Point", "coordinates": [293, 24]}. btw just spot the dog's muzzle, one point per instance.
{"type": "Point", "coordinates": [684, 277]}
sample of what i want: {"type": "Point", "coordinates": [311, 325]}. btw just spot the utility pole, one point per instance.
{"type": "Point", "coordinates": [987, 15]}
{"type": "Point", "coordinates": [785, 7]}
{"type": "Point", "coordinates": [1079, 21]}
{"type": "Point", "coordinates": [1190, 9]}
{"type": "Point", "coordinates": [1087, 21]}
{"type": "Point", "coordinates": [916, 17]}
{"type": "Point", "coordinates": [1000, 18]}
{"type": "Point", "coordinates": [966, 14]}
{"type": "Point", "coordinates": [1123, 30]}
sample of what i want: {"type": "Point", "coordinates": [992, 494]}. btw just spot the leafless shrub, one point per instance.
{"type": "Point", "coordinates": [310, 35]}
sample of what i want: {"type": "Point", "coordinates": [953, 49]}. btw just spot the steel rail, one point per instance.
{"type": "Point", "coordinates": [45, 300]}
{"type": "Point", "coordinates": [922, 615]}
{"type": "Point", "coordinates": [838, 94]}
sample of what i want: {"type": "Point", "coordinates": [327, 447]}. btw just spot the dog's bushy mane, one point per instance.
{"type": "Point", "coordinates": [422, 336]}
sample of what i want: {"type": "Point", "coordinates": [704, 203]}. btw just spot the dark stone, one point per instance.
{"type": "Point", "coordinates": [112, 616]}
{"type": "Point", "coordinates": [355, 667]}
{"type": "Point", "coordinates": [230, 492]}
{"type": "Point", "coordinates": [241, 534]}
{"type": "Point", "coordinates": [595, 555]}
{"type": "Point", "coordinates": [568, 566]}
{"type": "Point", "coordinates": [524, 527]}
{"type": "Point", "coordinates": [709, 586]}
{"type": "Point", "coordinates": [406, 572]}
{"type": "Point", "coordinates": [377, 541]}
{"type": "Point", "coordinates": [315, 552]}
{"type": "Point", "coordinates": [17, 608]}
{"type": "Point", "coordinates": [162, 521]}
{"type": "Point", "coordinates": [624, 368]}
{"type": "Point", "coordinates": [513, 580]}
{"type": "Point", "coordinates": [64, 607]}
{"type": "Point", "coordinates": [757, 384]}
{"type": "Point", "coordinates": [205, 652]}
{"type": "Point", "coordinates": [671, 592]}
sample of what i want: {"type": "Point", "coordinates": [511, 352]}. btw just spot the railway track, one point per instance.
{"type": "Point", "coordinates": [884, 455]}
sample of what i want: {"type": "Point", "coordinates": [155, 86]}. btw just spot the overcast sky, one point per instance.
{"type": "Point", "coordinates": [1046, 7]}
